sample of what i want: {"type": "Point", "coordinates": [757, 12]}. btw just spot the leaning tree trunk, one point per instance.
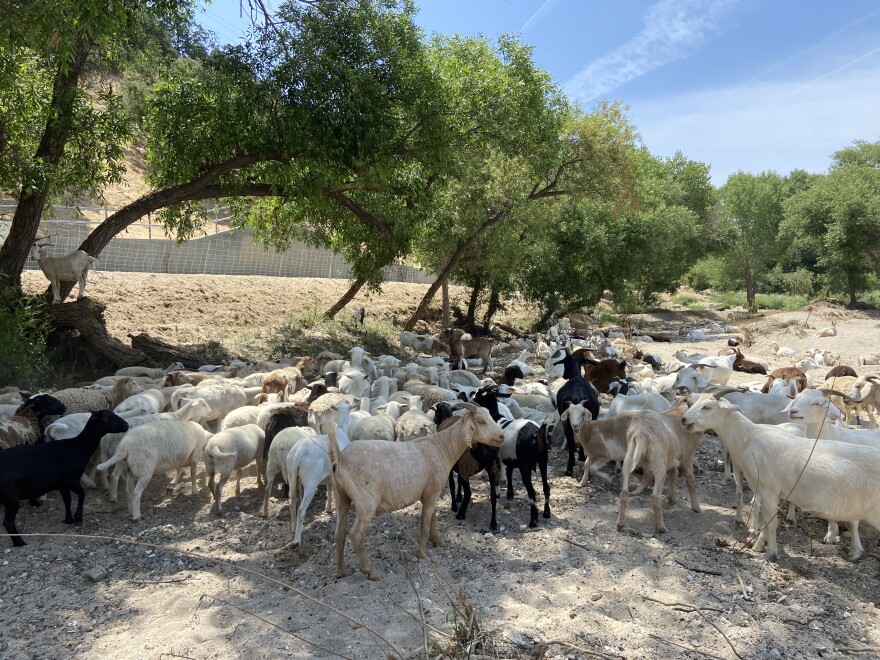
{"type": "Point", "coordinates": [347, 297]}
{"type": "Point", "coordinates": [32, 199]}
{"type": "Point", "coordinates": [451, 263]}
{"type": "Point", "coordinates": [200, 188]}
{"type": "Point", "coordinates": [161, 354]}
{"type": "Point", "coordinates": [87, 317]}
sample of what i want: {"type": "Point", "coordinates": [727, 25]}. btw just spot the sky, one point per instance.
{"type": "Point", "coordinates": [751, 85]}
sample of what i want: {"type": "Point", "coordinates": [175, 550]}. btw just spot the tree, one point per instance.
{"type": "Point", "coordinates": [752, 205]}
{"type": "Point", "coordinates": [837, 219]}
{"type": "Point", "coordinates": [58, 137]}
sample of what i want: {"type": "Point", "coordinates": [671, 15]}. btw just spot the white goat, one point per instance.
{"type": "Point", "coordinates": [277, 460]}
{"type": "Point", "coordinates": [832, 480]}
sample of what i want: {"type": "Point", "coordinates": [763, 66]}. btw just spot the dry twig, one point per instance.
{"type": "Point", "coordinates": [699, 610]}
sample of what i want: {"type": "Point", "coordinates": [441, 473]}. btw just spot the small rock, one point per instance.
{"type": "Point", "coordinates": [97, 573]}
{"type": "Point", "coordinates": [514, 638]}
{"type": "Point", "coordinates": [596, 596]}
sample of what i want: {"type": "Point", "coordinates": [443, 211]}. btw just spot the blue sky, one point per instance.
{"type": "Point", "coordinates": [748, 85]}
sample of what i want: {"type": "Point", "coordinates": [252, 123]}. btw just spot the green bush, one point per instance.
{"type": "Point", "coordinates": [710, 273]}
{"type": "Point", "coordinates": [24, 327]}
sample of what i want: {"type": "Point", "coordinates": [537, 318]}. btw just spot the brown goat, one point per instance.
{"type": "Point", "coordinates": [840, 371]}
{"type": "Point", "coordinates": [602, 373]}
{"type": "Point", "coordinates": [789, 374]}
{"type": "Point", "coordinates": [461, 349]}
{"type": "Point", "coordinates": [747, 366]}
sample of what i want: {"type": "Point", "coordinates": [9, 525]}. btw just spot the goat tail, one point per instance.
{"type": "Point", "coordinates": [333, 450]}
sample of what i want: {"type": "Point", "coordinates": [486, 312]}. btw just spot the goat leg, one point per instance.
{"type": "Point", "coordinates": [509, 467]}
{"type": "Point", "coordinates": [493, 494]}
{"type": "Point", "coordinates": [452, 491]}
{"type": "Point", "coordinates": [80, 500]}
{"type": "Point", "coordinates": [65, 496]}
{"type": "Point", "coordinates": [9, 523]}
{"type": "Point", "coordinates": [462, 510]}
{"type": "Point", "coordinates": [542, 465]}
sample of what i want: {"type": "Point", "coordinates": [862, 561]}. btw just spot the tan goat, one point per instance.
{"type": "Point", "coordinates": [660, 444]}
{"type": "Point", "coordinates": [378, 476]}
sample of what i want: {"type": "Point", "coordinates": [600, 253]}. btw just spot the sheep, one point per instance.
{"type": "Point", "coordinates": [25, 427]}
{"type": "Point", "coordinates": [148, 402]}
{"type": "Point", "coordinates": [660, 444]}
{"type": "Point", "coordinates": [520, 362]}
{"type": "Point", "coordinates": [154, 448]}
{"type": "Point", "coordinates": [413, 423]}
{"type": "Point", "coordinates": [354, 382]}
{"type": "Point", "coordinates": [232, 449]}
{"type": "Point", "coordinates": [222, 398]}
{"type": "Point", "coordinates": [69, 426]}
{"type": "Point", "coordinates": [277, 459]}
{"type": "Point", "coordinates": [308, 466]}
{"type": "Point", "coordinates": [463, 377]}
{"type": "Point", "coordinates": [193, 411]}
{"type": "Point", "coordinates": [8, 410]}
{"type": "Point", "coordinates": [12, 396]}
{"type": "Point", "coordinates": [78, 399]}
{"type": "Point", "coordinates": [367, 474]}
{"type": "Point", "coordinates": [73, 267]}
{"type": "Point", "coordinates": [828, 332]}
{"type": "Point", "coordinates": [326, 403]}
{"type": "Point", "coordinates": [30, 471]}
{"type": "Point", "coordinates": [240, 417]}
{"type": "Point", "coordinates": [418, 343]}
{"type": "Point", "coordinates": [869, 359]}
{"type": "Point", "coordinates": [276, 382]}
{"type": "Point", "coordinates": [149, 372]}
{"type": "Point", "coordinates": [378, 427]}
{"type": "Point", "coordinates": [429, 394]}
{"type": "Point", "coordinates": [835, 481]}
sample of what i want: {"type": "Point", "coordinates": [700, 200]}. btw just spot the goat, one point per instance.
{"type": "Point", "coordinates": [368, 475]}
{"type": "Point", "coordinates": [576, 390]}
{"type": "Point", "coordinates": [835, 481]}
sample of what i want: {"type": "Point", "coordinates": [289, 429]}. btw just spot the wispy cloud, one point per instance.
{"type": "Point", "coordinates": [546, 7]}
{"type": "Point", "coordinates": [770, 125]}
{"type": "Point", "coordinates": [673, 29]}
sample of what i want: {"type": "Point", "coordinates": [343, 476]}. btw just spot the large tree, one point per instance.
{"type": "Point", "coordinates": [837, 219]}
{"type": "Point", "coordinates": [55, 136]}
{"type": "Point", "coordinates": [752, 207]}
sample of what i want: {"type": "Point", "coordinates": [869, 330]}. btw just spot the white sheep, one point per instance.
{"type": "Point", "coordinates": [80, 399]}
{"type": "Point", "coordinates": [192, 411]}
{"type": "Point", "coordinates": [414, 423]}
{"type": "Point", "coordinates": [149, 372]}
{"type": "Point", "coordinates": [241, 417]}
{"type": "Point", "coordinates": [277, 460]}
{"type": "Point", "coordinates": [869, 359]}
{"type": "Point", "coordinates": [308, 466]}
{"type": "Point", "coordinates": [223, 398]}
{"type": "Point", "coordinates": [232, 449]}
{"type": "Point", "coordinates": [154, 448]}
{"type": "Point", "coordinates": [73, 267]}
{"type": "Point", "coordinates": [828, 332]}
{"type": "Point", "coordinates": [832, 480]}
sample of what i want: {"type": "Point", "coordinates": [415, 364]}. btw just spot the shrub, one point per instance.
{"type": "Point", "coordinates": [24, 327]}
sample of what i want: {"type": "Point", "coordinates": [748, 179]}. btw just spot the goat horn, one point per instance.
{"type": "Point", "coordinates": [828, 392]}
{"type": "Point", "coordinates": [873, 378]}
{"type": "Point", "coordinates": [466, 405]}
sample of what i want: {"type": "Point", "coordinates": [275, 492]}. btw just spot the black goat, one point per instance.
{"type": "Point", "coordinates": [478, 458]}
{"type": "Point", "coordinates": [527, 446]}
{"type": "Point", "coordinates": [840, 371]}
{"type": "Point", "coordinates": [577, 389]}
{"type": "Point", "coordinates": [29, 471]}
{"type": "Point", "coordinates": [511, 373]}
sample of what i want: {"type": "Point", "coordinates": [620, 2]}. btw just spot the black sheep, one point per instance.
{"type": "Point", "coordinates": [29, 471]}
{"type": "Point", "coordinates": [576, 390]}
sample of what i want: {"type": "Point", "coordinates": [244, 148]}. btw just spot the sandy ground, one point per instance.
{"type": "Point", "coordinates": [573, 580]}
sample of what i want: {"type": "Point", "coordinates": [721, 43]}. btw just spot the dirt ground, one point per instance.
{"type": "Point", "coordinates": [185, 584]}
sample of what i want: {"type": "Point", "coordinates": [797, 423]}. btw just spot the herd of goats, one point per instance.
{"type": "Point", "coordinates": [383, 433]}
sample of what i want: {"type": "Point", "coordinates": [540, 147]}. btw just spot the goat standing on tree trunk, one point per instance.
{"type": "Point", "coordinates": [73, 267]}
